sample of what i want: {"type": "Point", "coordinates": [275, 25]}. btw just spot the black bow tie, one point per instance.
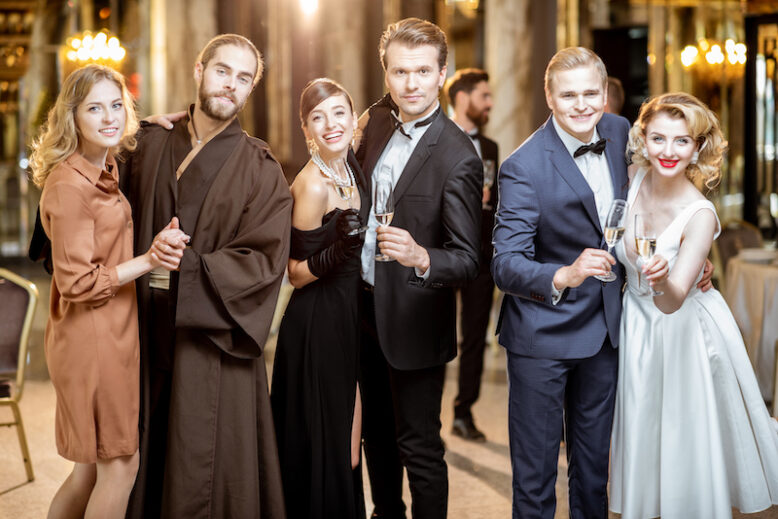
{"type": "Point", "coordinates": [398, 124]}
{"type": "Point", "coordinates": [595, 147]}
{"type": "Point", "coordinates": [473, 136]}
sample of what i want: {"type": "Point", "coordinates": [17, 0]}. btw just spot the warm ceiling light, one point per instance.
{"type": "Point", "coordinates": [309, 6]}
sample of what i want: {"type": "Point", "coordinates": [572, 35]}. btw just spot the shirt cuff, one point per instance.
{"type": "Point", "coordinates": [556, 295]}
{"type": "Point", "coordinates": [423, 276]}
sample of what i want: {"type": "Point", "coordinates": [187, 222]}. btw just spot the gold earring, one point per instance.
{"type": "Point", "coordinates": [313, 148]}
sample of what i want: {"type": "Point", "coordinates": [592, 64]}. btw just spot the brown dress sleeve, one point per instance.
{"type": "Point", "coordinates": [70, 224]}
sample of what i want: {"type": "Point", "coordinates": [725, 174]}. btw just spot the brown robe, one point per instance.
{"type": "Point", "coordinates": [219, 456]}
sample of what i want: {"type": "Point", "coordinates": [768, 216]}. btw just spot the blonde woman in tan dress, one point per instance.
{"type": "Point", "coordinates": [91, 340]}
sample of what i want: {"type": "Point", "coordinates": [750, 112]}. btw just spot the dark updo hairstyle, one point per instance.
{"type": "Point", "coordinates": [316, 91]}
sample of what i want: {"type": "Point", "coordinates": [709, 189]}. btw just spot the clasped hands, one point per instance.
{"type": "Point", "coordinates": [168, 246]}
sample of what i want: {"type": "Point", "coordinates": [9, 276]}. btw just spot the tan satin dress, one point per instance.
{"type": "Point", "coordinates": [91, 340]}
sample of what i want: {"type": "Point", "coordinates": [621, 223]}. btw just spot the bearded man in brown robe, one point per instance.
{"type": "Point", "coordinates": [207, 446]}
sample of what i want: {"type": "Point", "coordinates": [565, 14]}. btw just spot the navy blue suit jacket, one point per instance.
{"type": "Point", "coordinates": [546, 218]}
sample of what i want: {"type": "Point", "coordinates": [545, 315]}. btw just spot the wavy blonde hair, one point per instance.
{"type": "Point", "coordinates": [59, 136]}
{"type": "Point", "coordinates": [703, 127]}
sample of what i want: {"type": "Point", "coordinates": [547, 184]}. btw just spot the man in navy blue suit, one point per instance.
{"type": "Point", "coordinates": [558, 323]}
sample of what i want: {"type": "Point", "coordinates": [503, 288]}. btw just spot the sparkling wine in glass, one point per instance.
{"type": "Point", "coordinates": [645, 242]}
{"type": "Point", "coordinates": [345, 186]}
{"type": "Point", "coordinates": [614, 230]}
{"type": "Point", "coordinates": [383, 204]}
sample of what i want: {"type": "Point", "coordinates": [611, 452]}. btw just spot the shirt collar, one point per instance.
{"type": "Point", "coordinates": [90, 171]}
{"type": "Point", "coordinates": [572, 143]}
{"type": "Point", "coordinates": [417, 125]}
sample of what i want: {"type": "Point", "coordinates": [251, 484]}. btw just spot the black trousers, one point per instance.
{"type": "Point", "coordinates": [475, 307]}
{"type": "Point", "coordinates": [401, 428]}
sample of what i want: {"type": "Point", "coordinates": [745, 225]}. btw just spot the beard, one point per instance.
{"type": "Point", "coordinates": [479, 117]}
{"type": "Point", "coordinates": [215, 109]}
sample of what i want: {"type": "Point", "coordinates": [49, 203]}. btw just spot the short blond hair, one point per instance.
{"type": "Point", "coordinates": [570, 58]}
{"type": "Point", "coordinates": [703, 127]}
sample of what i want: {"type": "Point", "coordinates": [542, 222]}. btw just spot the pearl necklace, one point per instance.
{"type": "Point", "coordinates": [329, 173]}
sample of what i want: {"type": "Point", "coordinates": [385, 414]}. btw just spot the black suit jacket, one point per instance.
{"type": "Point", "coordinates": [438, 201]}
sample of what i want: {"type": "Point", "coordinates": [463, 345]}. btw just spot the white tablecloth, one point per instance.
{"type": "Point", "coordinates": [752, 295]}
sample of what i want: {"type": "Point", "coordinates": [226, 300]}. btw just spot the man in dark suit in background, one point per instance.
{"type": "Point", "coordinates": [471, 100]}
{"type": "Point", "coordinates": [558, 323]}
{"type": "Point", "coordinates": [409, 306]}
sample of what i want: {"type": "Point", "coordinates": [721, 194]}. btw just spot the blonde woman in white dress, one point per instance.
{"type": "Point", "coordinates": [692, 437]}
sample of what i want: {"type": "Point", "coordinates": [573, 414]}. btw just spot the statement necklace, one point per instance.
{"type": "Point", "coordinates": [329, 173]}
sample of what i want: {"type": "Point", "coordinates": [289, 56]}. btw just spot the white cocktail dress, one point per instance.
{"type": "Point", "coordinates": [691, 434]}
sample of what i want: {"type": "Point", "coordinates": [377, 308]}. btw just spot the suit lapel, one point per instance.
{"type": "Point", "coordinates": [375, 145]}
{"type": "Point", "coordinates": [566, 167]}
{"type": "Point", "coordinates": [419, 156]}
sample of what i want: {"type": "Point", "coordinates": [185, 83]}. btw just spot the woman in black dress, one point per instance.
{"type": "Point", "coordinates": [314, 393]}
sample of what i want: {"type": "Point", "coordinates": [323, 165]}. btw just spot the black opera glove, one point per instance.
{"type": "Point", "coordinates": [345, 246]}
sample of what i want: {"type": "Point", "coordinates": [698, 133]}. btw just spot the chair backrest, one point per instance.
{"type": "Point", "coordinates": [18, 298]}
{"type": "Point", "coordinates": [736, 235]}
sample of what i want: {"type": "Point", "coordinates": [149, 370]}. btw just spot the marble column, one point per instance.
{"type": "Point", "coordinates": [342, 51]}
{"type": "Point", "coordinates": [179, 29]}
{"type": "Point", "coordinates": [520, 39]}
{"type": "Point", "coordinates": [278, 60]}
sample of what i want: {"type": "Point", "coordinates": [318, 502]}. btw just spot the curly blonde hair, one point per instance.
{"type": "Point", "coordinates": [703, 127]}
{"type": "Point", "coordinates": [59, 136]}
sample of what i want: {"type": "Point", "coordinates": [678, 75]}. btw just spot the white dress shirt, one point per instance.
{"type": "Point", "coordinates": [594, 169]}
{"type": "Point", "coordinates": [597, 174]}
{"type": "Point", "coordinates": [394, 157]}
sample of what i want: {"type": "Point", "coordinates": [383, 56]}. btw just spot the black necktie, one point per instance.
{"type": "Point", "coordinates": [595, 147]}
{"type": "Point", "coordinates": [398, 124]}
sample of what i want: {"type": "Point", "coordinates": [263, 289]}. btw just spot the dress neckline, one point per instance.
{"type": "Point", "coordinates": [696, 205]}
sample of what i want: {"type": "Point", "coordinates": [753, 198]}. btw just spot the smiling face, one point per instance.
{"type": "Point", "coordinates": [331, 125]}
{"type": "Point", "coordinates": [577, 98]}
{"type": "Point", "coordinates": [669, 144]}
{"type": "Point", "coordinates": [100, 120]}
{"type": "Point", "coordinates": [226, 81]}
{"type": "Point", "coordinates": [413, 78]}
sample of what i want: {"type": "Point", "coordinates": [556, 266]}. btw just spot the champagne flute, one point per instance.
{"type": "Point", "coordinates": [343, 183]}
{"type": "Point", "coordinates": [614, 230]}
{"type": "Point", "coordinates": [489, 172]}
{"type": "Point", "coordinates": [383, 205]}
{"type": "Point", "coordinates": [645, 242]}
{"type": "Point", "coordinates": [345, 186]}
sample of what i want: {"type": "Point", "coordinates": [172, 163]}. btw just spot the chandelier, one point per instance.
{"type": "Point", "coordinates": [102, 48]}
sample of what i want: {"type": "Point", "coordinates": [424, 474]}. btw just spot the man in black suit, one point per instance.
{"type": "Point", "coordinates": [409, 312]}
{"type": "Point", "coordinates": [471, 99]}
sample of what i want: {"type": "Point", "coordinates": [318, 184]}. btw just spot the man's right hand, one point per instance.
{"type": "Point", "coordinates": [165, 120]}
{"type": "Point", "coordinates": [591, 262]}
